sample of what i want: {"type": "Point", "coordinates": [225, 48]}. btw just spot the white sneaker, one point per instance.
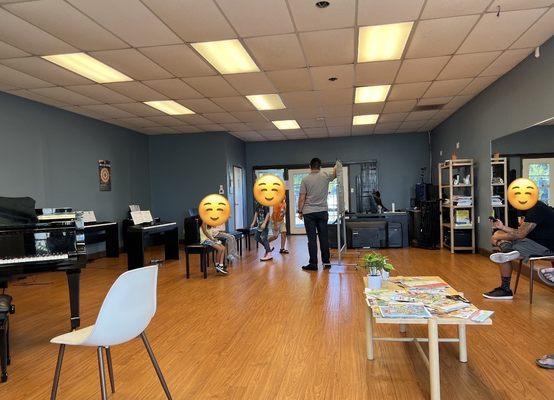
{"type": "Point", "coordinates": [501, 258]}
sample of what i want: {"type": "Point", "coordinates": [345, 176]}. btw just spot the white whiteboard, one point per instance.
{"type": "Point", "coordinates": [340, 187]}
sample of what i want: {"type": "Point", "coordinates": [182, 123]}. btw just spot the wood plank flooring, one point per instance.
{"type": "Point", "coordinates": [273, 331]}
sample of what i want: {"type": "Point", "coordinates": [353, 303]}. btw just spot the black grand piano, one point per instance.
{"type": "Point", "coordinates": [41, 240]}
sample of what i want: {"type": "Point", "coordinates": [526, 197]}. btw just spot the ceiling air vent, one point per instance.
{"type": "Point", "coordinates": [429, 107]}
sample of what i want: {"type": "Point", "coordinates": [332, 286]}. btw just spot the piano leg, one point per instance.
{"type": "Point", "coordinates": [73, 278]}
{"type": "Point", "coordinates": [112, 241]}
{"type": "Point", "coordinates": [172, 244]}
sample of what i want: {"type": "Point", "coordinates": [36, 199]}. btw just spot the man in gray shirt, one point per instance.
{"type": "Point", "coordinates": [312, 207]}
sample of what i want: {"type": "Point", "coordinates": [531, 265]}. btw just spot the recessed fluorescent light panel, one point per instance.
{"type": "Point", "coordinates": [169, 107]}
{"type": "Point", "coordinates": [89, 67]}
{"type": "Point", "coordinates": [368, 119]}
{"type": "Point", "coordinates": [227, 56]}
{"type": "Point", "coordinates": [266, 101]}
{"type": "Point", "coordinates": [371, 94]}
{"type": "Point", "coordinates": [286, 124]}
{"type": "Point", "coordinates": [383, 42]}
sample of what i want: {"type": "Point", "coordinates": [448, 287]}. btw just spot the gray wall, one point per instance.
{"type": "Point", "coordinates": [399, 159]}
{"type": "Point", "coordinates": [516, 101]}
{"type": "Point", "coordinates": [52, 155]}
{"type": "Point", "coordinates": [535, 140]}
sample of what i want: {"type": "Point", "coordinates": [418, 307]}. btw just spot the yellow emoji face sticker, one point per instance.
{"type": "Point", "coordinates": [214, 210]}
{"type": "Point", "coordinates": [523, 194]}
{"type": "Point", "coordinates": [269, 190]}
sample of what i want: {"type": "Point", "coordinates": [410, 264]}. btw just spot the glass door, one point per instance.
{"type": "Point", "coordinates": [238, 198]}
{"type": "Point", "coordinates": [541, 171]}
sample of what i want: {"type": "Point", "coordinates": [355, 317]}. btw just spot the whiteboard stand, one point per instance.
{"type": "Point", "coordinates": [341, 247]}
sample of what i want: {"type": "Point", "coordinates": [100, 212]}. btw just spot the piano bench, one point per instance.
{"type": "Point", "coordinates": [204, 252]}
{"type": "Point", "coordinates": [6, 308]}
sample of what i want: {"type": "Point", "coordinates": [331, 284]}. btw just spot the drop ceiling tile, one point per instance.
{"type": "Point", "coordinates": [399, 106]}
{"type": "Point", "coordinates": [178, 59]}
{"type": "Point", "coordinates": [139, 109]}
{"type": "Point", "coordinates": [249, 116]}
{"type": "Point", "coordinates": [446, 88]}
{"type": "Point", "coordinates": [506, 61]}
{"type": "Point", "coordinates": [276, 115]}
{"type": "Point", "coordinates": [294, 134]}
{"type": "Point", "coordinates": [336, 96]}
{"type": "Point", "coordinates": [451, 8]}
{"type": "Point", "coordinates": [130, 20]}
{"type": "Point", "coordinates": [234, 103]}
{"type": "Point", "coordinates": [237, 127]}
{"type": "Point", "coordinates": [311, 123]}
{"type": "Point", "coordinates": [507, 5]}
{"type": "Point", "coordinates": [467, 65]}
{"type": "Point", "coordinates": [194, 119]}
{"type": "Point", "coordinates": [83, 111]}
{"type": "Point", "coordinates": [376, 73]}
{"type": "Point", "coordinates": [45, 70]}
{"type": "Point", "coordinates": [251, 136]}
{"type": "Point", "coordinates": [36, 97]}
{"type": "Point", "coordinates": [211, 128]}
{"type": "Point", "coordinates": [65, 96]}
{"type": "Point", "coordinates": [276, 52]}
{"type": "Point", "coordinates": [291, 80]}
{"type": "Point", "coordinates": [338, 121]}
{"type": "Point", "coordinates": [4, 87]}
{"type": "Point", "coordinates": [136, 90]}
{"type": "Point", "coordinates": [161, 130]}
{"type": "Point", "coordinates": [306, 113]}
{"type": "Point", "coordinates": [394, 117]}
{"type": "Point", "coordinates": [316, 133]}
{"type": "Point", "coordinates": [212, 86]}
{"type": "Point", "coordinates": [338, 110]}
{"type": "Point", "coordinates": [421, 69]}
{"type": "Point", "coordinates": [272, 134]}
{"type": "Point", "coordinates": [408, 91]}
{"type": "Point", "coordinates": [339, 131]}
{"type": "Point", "coordinates": [108, 111]}
{"type": "Point", "coordinates": [251, 83]}
{"type": "Point", "coordinates": [498, 33]}
{"type": "Point", "coordinates": [387, 127]}
{"type": "Point", "coordinates": [368, 108]}
{"type": "Point", "coordinates": [100, 93]}
{"type": "Point", "coordinates": [378, 12]}
{"type": "Point", "coordinates": [201, 106]}
{"type": "Point", "coordinates": [434, 101]}
{"type": "Point", "coordinates": [343, 73]}
{"type": "Point", "coordinates": [29, 38]}
{"type": "Point", "coordinates": [257, 18]}
{"type": "Point", "coordinates": [420, 115]}
{"type": "Point", "coordinates": [76, 29]}
{"type": "Point", "coordinates": [173, 88]}
{"type": "Point", "coordinates": [221, 118]}
{"type": "Point", "coordinates": [458, 101]}
{"type": "Point", "coordinates": [132, 63]}
{"type": "Point", "coordinates": [443, 114]}
{"type": "Point", "coordinates": [438, 37]}
{"type": "Point", "coordinates": [362, 130]}
{"type": "Point", "coordinates": [187, 129]}
{"type": "Point", "coordinates": [478, 84]}
{"type": "Point", "coordinates": [411, 126]}
{"type": "Point", "coordinates": [258, 126]}
{"type": "Point", "coordinates": [539, 33]}
{"type": "Point", "coordinates": [333, 47]}
{"type": "Point", "coordinates": [307, 17]}
{"type": "Point", "coordinates": [10, 76]}
{"type": "Point", "coordinates": [193, 20]}
{"type": "Point", "coordinates": [9, 51]}
{"type": "Point", "coordinates": [166, 120]}
{"type": "Point", "coordinates": [300, 99]}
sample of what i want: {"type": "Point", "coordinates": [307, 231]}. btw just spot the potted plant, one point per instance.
{"type": "Point", "coordinates": [377, 267]}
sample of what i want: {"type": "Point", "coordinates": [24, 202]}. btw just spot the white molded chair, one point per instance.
{"type": "Point", "coordinates": [126, 312]}
{"type": "Point", "coordinates": [531, 263]}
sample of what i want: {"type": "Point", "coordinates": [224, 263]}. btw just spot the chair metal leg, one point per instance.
{"type": "Point", "coordinates": [3, 350]}
{"type": "Point", "coordinates": [102, 375]}
{"type": "Point", "coordinates": [517, 276]}
{"type": "Point", "coordinates": [205, 263]}
{"type": "Point", "coordinates": [156, 366]}
{"type": "Point", "coordinates": [531, 280]}
{"type": "Point", "coordinates": [57, 373]}
{"type": "Point", "coordinates": [110, 368]}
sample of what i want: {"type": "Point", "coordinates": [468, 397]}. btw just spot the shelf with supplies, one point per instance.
{"type": "Point", "coordinates": [499, 188]}
{"type": "Point", "coordinates": [457, 195]}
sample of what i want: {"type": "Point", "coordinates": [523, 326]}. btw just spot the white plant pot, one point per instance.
{"type": "Point", "coordinates": [385, 275]}
{"type": "Point", "coordinates": [374, 282]}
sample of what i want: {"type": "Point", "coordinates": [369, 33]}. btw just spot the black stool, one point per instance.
{"type": "Point", "coordinates": [238, 237]}
{"type": "Point", "coordinates": [6, 308]}
{"type": "Point", "coordinates": [246, 232]}
{"type": "Point", "coordinates": [204, 252]}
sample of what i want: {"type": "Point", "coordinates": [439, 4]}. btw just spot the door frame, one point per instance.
{"type": "Point", "coordinates": [236, 206]}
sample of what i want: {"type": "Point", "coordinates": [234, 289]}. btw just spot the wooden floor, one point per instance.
{"type": "Point", "coordinates": [273, 331]}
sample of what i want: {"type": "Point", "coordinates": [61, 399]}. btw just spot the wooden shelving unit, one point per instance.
{"type": "Point", "coordinates": [499, 171]}
{"type": "Point", "coordinates": [449, 230]}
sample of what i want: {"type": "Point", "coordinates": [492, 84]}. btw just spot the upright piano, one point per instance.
{"type": "Point", "coordinates": [41, 240]}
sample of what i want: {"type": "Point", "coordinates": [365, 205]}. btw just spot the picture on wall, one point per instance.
{"type": "Point", "coordinates": [105, 175]}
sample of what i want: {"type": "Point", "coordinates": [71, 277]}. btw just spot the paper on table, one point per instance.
{"type": "Point", "coordinates": [89, 216]}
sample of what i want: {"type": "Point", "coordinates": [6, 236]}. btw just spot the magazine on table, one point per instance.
{"type": "Point", "coordinates": [404, 310]}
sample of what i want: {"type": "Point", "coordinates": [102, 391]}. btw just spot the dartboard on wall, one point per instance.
{"type": "Point", "coordinates": [105, 175]}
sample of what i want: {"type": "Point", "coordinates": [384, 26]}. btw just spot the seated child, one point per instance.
{"type": "Point", "coordinates": [279, 225]}
{"type": "Point", "coordinates": [207, 238]}
{"type": "Point", "coordinates": [261, 222]}
{"type": "Point", "coordinates": [230, 245]}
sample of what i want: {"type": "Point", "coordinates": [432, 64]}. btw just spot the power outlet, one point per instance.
{"type": "Point", "coordinates": [478, 219]}
{"type": "Point", "coordinates": [457, 145]}
{"type": "Point", "coordinates": [440, 153]}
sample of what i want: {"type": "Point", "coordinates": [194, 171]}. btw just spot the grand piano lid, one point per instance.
{"type": "Point", "coordinates": [17, 211]}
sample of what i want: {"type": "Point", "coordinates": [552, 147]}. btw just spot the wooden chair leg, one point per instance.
{"type": "Point", "coordinates": [517, 276]}
{"type": "Point", "coordinates": [531, 280]}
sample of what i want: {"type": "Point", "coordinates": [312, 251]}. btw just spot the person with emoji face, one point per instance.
{"type": "Point", "coordinates": [534, 237]}
{"type": "Point", "coordinates": [214, 210]}
{"type": "Point", "coordinates": [279, 225]}
{"type": "Point", "coordinates": [261, 223]}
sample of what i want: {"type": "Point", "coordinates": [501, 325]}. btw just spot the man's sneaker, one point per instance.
{"type": "Point", "coordinates": [326, 265]}
{"type": "Point", "coordinates": [309, 267]}
{"type": "Point", "coordinates": [499, 294]}
{"type": "Point", "coordinates": [267, 257]}
{"type": "Point", "coordinates": [501, 258]}
{"type": "Point", "coordinates": [221, 269]}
